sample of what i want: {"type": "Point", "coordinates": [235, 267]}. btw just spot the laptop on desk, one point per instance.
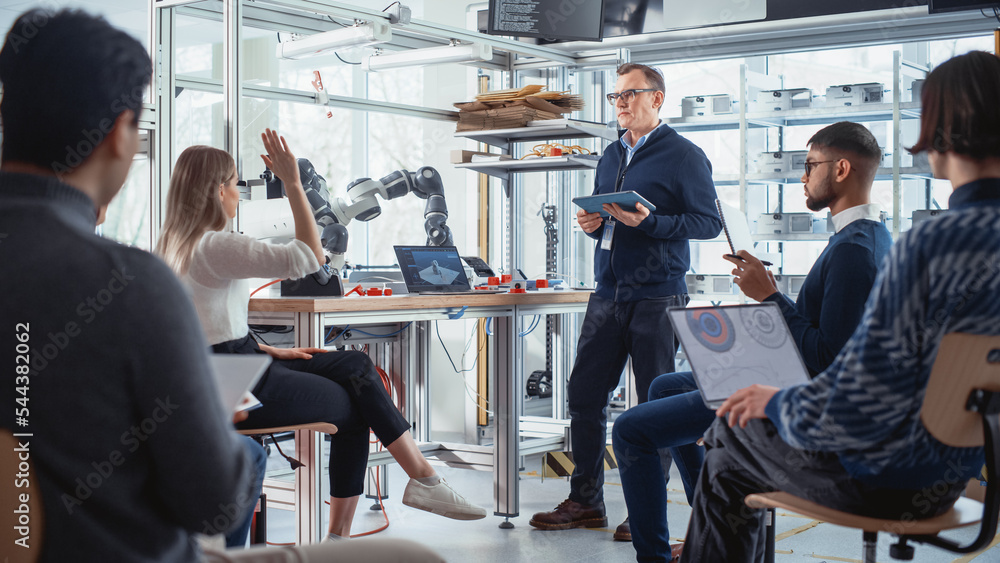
{"type": "Point", "coordinates": [436, 270]}
{"type": "Point", "coordinates": [735, 346]}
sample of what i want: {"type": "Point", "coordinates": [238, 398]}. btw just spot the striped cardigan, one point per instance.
{"type": "Point", "coordinates": [943, 276]}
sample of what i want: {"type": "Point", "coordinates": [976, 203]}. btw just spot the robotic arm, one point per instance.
{"type": "Point", "coordinates": [362, 204]}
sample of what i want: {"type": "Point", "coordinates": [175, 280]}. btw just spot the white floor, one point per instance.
{"type": "Point", "coordinates": [482, 541]}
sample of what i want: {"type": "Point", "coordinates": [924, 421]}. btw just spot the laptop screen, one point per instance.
{"type": "Point", "coordinates": [432, 268]}
{"type": "Point", "coordinates": [735, 346]}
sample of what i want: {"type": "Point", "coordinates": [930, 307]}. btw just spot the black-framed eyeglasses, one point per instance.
{"type": "Point", "coordinates": [627, 95]}
{"type": "Point", "coordinates": [812, 165]}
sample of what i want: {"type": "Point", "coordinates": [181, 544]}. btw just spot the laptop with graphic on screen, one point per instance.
{"type": "Point", "coordinates": [734, 346]}
{"type": "Point", "coordinates": [433, 269]}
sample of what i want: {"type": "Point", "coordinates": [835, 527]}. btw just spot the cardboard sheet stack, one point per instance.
{"type": "Point", "coordinates": [515, 107]}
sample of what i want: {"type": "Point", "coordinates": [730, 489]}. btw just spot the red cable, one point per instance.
{"type": "Point", "coordinates": [254, 292]}
{"type": "Point", "coordinates": [378, 490]}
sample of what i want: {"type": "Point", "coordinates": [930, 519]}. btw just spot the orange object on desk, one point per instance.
{"type": "Point", "coordinates": [541, 284]}
{"type": "Point", "coordinates": [506, 278]}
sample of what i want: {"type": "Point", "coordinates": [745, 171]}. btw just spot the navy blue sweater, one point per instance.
{"type": "Point", "coordinates": [650, 260]}
{"type": "Point", "coordinates": [939, 278]}
{"type": "Point", "coordinates": [833, 296]}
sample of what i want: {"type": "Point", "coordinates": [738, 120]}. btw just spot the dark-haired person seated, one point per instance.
{"type": "Point", "coordinates": [839, 171]}
{"type": "Point", "coordinates": [126, 436]}
{"type": "Point", "coordinates": [852, 438]}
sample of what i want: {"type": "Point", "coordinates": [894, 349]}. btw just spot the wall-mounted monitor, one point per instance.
{"type": "Point", "coordinates": [561, 20]}
{"type": "Point", "coordinates": [938, 6]}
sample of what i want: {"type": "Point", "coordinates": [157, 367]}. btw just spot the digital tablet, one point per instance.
{"type": "Point", "coordinates": [626, 200]}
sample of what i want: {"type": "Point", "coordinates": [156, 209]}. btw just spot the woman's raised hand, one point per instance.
{"type": "Point", "coordinates": [279, 157]}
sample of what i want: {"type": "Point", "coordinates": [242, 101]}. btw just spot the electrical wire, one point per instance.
{"type": "Point", "coordinates": [259, 337]}
{"type": "Point", "coordinates": [263, 286]}
{"type": "Point", "coordinates": [407, 325]}
{"type": "Point", "coordinates": [560, 274]}
{"type": "Point", "coordinates": [390, 5]}
{"type": "Point", "coordinates": [468, 388]}
{"type": "Point", "coordinates": [448, 354]}
{"type": "Point", "coordinates": [378, 278]}
{"type": "Point", "coordinates": [531, 327]}
{"type": "Point", "coordinates": [344, 61]}
{"type": "Point", "coordinates": [378, 490]}
{"type": "Point", "coordinates": [327, 340]}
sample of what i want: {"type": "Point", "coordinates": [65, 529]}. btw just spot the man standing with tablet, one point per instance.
{"type": "Point", "coordinates": [839, 171]}
{"type": "Point", "coordinates": [640, 261]}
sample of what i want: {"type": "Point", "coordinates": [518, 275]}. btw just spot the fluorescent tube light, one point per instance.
{"type": "Point", "coordinates": [370, 33]}
{"type": "Point", "coordinates": [469, 52]}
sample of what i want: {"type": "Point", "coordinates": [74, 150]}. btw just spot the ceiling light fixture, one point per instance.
{"type": "Point", "coordinates": [457, 53]}
{"type": "Point", "coordinates": [370, 33]}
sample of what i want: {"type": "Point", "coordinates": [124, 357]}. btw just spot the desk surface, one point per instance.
{"type": "Point", "coordinates": [355, 303]}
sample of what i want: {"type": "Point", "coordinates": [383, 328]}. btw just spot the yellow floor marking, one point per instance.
{"type": "Point", "coordinates": [798, 530]}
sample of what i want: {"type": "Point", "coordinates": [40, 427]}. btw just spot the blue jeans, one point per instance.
{"type": "Point", "coordinates": [237, 537]}
{"type": "Point", "coordinates": [674, 418]}
{"type": "Point", "coordinates": [612, 332]}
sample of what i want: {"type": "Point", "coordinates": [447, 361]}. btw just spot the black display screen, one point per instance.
{"type": "Point", "coordinates": [569, 20]}
{"type": "Point", "coordinates": [935, 6]}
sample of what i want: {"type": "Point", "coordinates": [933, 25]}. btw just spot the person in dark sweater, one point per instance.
{"type": "Point", "coordinates": [840, 168]}
{"type": "Point", "coordinates": [639, 265]}
{"type": "Point", "coordinates": [117, 417]}
{"type": "Point", "coordinates": [852, 438]}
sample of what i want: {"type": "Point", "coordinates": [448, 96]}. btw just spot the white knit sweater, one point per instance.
{"type": "Point", "coordinates": [220, 267]}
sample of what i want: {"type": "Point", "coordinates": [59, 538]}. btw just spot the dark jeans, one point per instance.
{"type": "Point", "coordinates": [611, 333]}
{"type": "Point", "coordinates": [740, 461]}
{"type": "Point", "coordinates": [674, 418]}
{"type": "Point", "coordinates": [237, 537]}
{"type": "Point", "coordinates": [341, 388]}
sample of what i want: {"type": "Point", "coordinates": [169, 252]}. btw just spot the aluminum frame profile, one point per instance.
{"type": "Point", "coordinates": [548, 55]}
{"type": "Point", "coordinates": [470, 52]}
{"type": "Point", "coordinates": [877, 27]}
{"type": "Point", "coordinates": [362, 35]}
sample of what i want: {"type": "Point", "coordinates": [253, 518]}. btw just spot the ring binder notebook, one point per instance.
{"type": "Point", "coordinates": [734, 224]}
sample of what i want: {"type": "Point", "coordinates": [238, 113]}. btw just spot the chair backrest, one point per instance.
{"type": "Point", "coordinates": [964, 362]}
{"type": "Point", "coordinates": [22, 512]}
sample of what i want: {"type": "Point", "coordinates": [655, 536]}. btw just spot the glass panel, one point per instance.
{"type": "Point", "coordinates": [128, 216]}
{"type": "Point", "coordinates": [198, 115]}
{"type": "Point", "coordinates": [396, 143]}
{"type": "Point", "coordinates": [197, 120]}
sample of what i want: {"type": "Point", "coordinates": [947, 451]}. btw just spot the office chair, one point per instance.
{"type": "Point", "coordinates": [961, 409]}
{"type": "Point", "coordinates": [258, 533]}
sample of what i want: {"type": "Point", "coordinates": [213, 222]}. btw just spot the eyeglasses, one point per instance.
{"type": "Point", "coordinates": [811, 165]}
{"type": "Point", "coordinates": [627, 95]}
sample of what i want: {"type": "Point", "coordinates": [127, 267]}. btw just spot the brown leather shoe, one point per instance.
{"type": "Point", "coordinates": [571, 514]}
{"type": "Point", "coordinates": [675, 552]}
{"type": "Point", "coordinates": [623, 532]}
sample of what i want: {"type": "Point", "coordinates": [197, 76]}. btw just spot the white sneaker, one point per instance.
{"type": "Point", "coordinates": [440, 499]}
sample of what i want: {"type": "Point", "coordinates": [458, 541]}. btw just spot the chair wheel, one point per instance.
{"type": "Point", "coordinates": [901, 551]}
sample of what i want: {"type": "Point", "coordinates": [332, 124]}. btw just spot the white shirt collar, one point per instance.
{"type": "Point", "coordinates": [871, 211]}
